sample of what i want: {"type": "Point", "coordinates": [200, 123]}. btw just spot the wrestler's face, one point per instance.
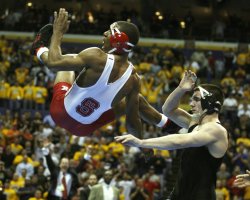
{"type": "Point", "coordinates": [195, 103]}
{"type": "Point", "coordinates": [106, 41]}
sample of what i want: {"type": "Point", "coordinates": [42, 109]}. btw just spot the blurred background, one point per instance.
{"type": "Point", "coordinates": [210, 37]}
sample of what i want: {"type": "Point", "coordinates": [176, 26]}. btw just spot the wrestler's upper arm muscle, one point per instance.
{"type": "Point", "coordinates": [76, 62]}
{"type": "Point", "coordinates": [180, 117]}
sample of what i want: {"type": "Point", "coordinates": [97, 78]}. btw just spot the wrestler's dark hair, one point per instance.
{"type": "Point", "coordinates": [131, 31]}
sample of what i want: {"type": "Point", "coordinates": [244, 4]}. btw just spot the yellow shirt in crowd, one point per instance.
{"type": "Point", "coordinates": [15, 92]}
{"type": "Point", "coordinates": [10, 194]}
{"type": "Point", "coordinates": [4, 89]}
{"type": "Point", "coordinates": [40, 94]}
{"type": "Point", "coordinates": [21, 74]}
{"type": "Point", "coordinates": [28, 92]}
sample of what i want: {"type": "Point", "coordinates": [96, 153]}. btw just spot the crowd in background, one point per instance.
{"type": "Point", "coordinates": [25, 124]}
{"type": "Point", "coordinates": [92, 21]}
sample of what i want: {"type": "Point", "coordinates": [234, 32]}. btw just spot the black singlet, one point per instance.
{"type": "Point", "coordinates": [197, 174]}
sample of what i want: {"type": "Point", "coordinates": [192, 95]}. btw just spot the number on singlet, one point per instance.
{"type": "Point", "coordinates": [87, 107]}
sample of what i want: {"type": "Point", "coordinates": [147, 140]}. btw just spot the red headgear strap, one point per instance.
{"type": "Point", "coordinates": [119, 40]}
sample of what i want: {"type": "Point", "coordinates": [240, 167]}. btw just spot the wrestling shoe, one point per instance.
{"type": "Point", "coordinates": [42, 38]}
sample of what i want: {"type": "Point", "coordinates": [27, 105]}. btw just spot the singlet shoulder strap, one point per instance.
{"type": "Point", "coordinates": [107, 70]}
{"type": "Point", "coordinates": [191, 128]}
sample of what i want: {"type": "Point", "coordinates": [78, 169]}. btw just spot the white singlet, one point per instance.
{"type": "Point", "coordinates": [86, 105]}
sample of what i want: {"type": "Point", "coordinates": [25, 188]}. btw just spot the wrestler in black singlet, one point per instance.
{"type": "Point", "coordinates": [197, 174]}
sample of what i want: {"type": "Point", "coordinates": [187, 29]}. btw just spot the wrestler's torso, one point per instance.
{"type": "Point", "coordinates": [197, 174]}
{"type": "Point", "coordinates": [92, 74]}
{"type": "Point", "coordinates": [86, 102]}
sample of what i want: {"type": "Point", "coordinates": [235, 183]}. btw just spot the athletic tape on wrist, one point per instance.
{"type": "Point", "coordinates": [163, 121]}
{"type": "Point", "coordinates": [40, 52]}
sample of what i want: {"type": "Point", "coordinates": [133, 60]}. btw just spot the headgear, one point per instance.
{"type": "Point", "coordinates": [119, 40]}
{"type": "Point", "coordinates": [209, 102]}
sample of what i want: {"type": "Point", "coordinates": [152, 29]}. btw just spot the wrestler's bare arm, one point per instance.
{"type": "Point", "coordinates": [71, 62]}
{"type": "Point", "coordinates": [133, 121]}
{"type": "Point", "coordinates": [170, 107]}
{"type": "Point", "coordinates": [74, 62]}
{"type": "Point", "coordinates": [210, 134]}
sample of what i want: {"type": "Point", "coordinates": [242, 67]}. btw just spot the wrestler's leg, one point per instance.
{"type": "Point", "coordinates": [65, 76]}
{"type": "Point", "coordinates": [61, 76]}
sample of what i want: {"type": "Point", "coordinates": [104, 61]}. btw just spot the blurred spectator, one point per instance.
{"type": "Point", "coordinates": [40, 95]}
{"type": "Point", "coordinates": [244, 108]}
{"type": "Point", "coordinates": [3, 174]}
{"type": "Point", "coordinates": [42, 179]}
{"type": "Point", "coordinates": [15, 95]}
{"type": "Point", "coordinates": [152, 183]}
{"type": "Point", "coordinates": [164, 77]}
{"type": "Point", "coordinates": [25, 165]}
{"type": "Point", "coordinates": [159, 164]}
{"type": "Point", "coordinates": [7, 157]}
{"type": "Point", "coordinates": [4, 90]}
{"type": "Point", "coordinates": [222, 193]}
{"type": "Point", "coordinates": [139, 192]}
{"type": "Point", "coordinates": [240, 158]}
{"type": "Point", "coordinates": [228, 81]}
{"type": "Point", "coordinates": [219, 67]}
{"type": "Point", "coordinates": [27, 190]}
{"type": "Point", "coordinates": [21, 75]}
{"type": "Point", "coordinates": [223, 172]}
{"type": "Point", "coordinates": [17, 181]}
{"type": "Point", "coordinates": [38, 195]}
{"type": "Point", "coordinates": [15, 146]}
{"type": "Point", "coordinates": [126, 183]}
{"type": "Point", "coordinates": [104, 190]}
{"type": "Point", "coordinates": [230, 108]}
{"type": "Point", "coordinates": [10, 193]}
{"type": "Point", "coordinates": [64, 182]}
{"type": "Point", "coordinates": [85, 191]}
{"type": "Point", "coordinates": [28, 94]}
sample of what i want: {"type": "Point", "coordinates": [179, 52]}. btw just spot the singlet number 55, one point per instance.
{"type": "Point", "coordinates": [87, 107]}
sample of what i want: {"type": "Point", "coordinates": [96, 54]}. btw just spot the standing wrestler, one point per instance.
{"type": "Point", "coordinates": [205, 144]}
{"type": "Point", "coordinates": [107, 85]}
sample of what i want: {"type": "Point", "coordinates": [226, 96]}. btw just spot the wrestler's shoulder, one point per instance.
{"type": "Point", "coordinates": [93, 50]}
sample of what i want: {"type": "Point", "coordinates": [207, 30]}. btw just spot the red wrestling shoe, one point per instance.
{"type": "Point", "coordinates": [42, 38]}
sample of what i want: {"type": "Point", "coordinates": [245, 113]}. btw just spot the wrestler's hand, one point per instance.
{"type": "Point", "coordinates": [61, 21]}
{"type": "Point", "coordinates": [129, 140]}
{"type": "Point", "coordinates": [242, 180]}
{"type": "Point", "coordinates": [188, 81]}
